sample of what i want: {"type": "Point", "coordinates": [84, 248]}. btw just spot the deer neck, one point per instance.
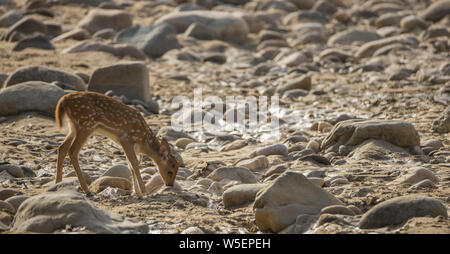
{"type": "Point", "coordinates": [152, 151]}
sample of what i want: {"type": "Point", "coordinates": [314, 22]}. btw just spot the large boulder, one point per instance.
{"type": "Point", "coordinates": [30, 96]}
{"type": "Point", "coordinates": [401, 209]}
{"type": "Point", "coordinates": [41, 73]}
{"type": "Point", "coordinates": [130, 79]}
{"type": "Point", "coordinates": [291, 194]}
{"type": "Point", "coordinates": [154, 40]}
{"type": "Point", "coordinates": [52, 211]}
{"type": "Point", "coordinates": [355, 131]}
{"type": "Point", "coordinates": [221, 25]}
{"type": "Point", "coordinates": [98, 19]}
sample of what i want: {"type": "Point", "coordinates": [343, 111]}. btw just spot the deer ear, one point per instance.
{"type": "Point", "coordinates": [164, 149]}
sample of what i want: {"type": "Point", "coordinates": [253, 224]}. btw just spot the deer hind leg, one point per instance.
{"type": "Point", "coordinates": [63, 149]}
{"type": "Point", "coordinates": [139, 186]}
{"type": "Point", "coordinates": [77, 143]}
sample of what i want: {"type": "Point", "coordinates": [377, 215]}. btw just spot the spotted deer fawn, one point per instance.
{"type": "Point", "coordinates": [82, 114]}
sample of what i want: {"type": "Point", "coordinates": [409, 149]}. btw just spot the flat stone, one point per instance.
{"type": "Point", "coordinates": [400, 209]}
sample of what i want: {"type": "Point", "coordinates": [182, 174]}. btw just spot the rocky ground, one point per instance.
{"type": "Point", "coordinates": [364, 116]}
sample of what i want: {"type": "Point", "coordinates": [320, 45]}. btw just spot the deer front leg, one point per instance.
{"type": "Point", "coordinates": [63, 149]}
{"type": "Point", "coordinates": [74, 150]}
{"type": "Point", "coordinates": [139, 186]}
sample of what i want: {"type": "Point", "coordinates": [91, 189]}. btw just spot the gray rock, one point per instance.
{"type": "Point", "coordinates": [412, 22]}
{"type": "Point", "coordinates": [276, 149]}
{"type": "Point", "coordinates": [320, 173]}
{"type": "Point", "coordinates": [130, 79]}
{"type": "Point", "coordinates": [240, 194]}
{"type": "Point", "coordinates": [255, 164]}
{"type": "Point", "coordinates": [416, 175]}
{"type": "Point", "coordinates": [29, 96]}
{"type": "Point", "coordinates": [373, 149]}
{"type": "Point", "coordinates": [81, 2]}
{"type": "Point", "coordinates": [5, 206]}
{"type": "Point", "coordinates": [49, 212]}
{"type": "Point", "coordinates": [388, 19]}
{"type": "Point", "coordinates": [118, 50]}
{"type": "Point", "coordinates": [24, 27]}
{"type": "Point", "coordinates": [355, 131]}
{"type": "Point", "coordinates": [240, 174]}
{"type": "Point", "coordinates": [110, 181]}
{"type": "Point", "coordinates": [424, 184]}
{"type": "Point", "coordinates": [78, 34]}
{"type": "Point", "coordinates": [10, 18]}
{"type": "Point", "coordinates": [154, 40]}
{"type": "Point", "coordinates": [192, 230]}
{"type": "Point", "coordinates": [310, 38]}
{"type": "Point", "coordinates": [7, 193]}
{"type": "Point", "coordinates": [276, 169]}
{"type": "Point", "coordinates": [369, 48]}
{"type": "Point", "coordinates": [107, 33]}
{"type": "Point", "coordinates": [98, 19]}
{"type": "Point", "coordinates": [16, 201]}
{"type": "Point", "coordinates": [303, 82]}
{"type": "Point", "coordinates": [234, 145]}
{"type": "Point", "coordinates": [401, 209]}
{"type": "Point", "coordinates": [199, 31]}
{"type": "Point", "coordinates": [38, 41]}
{"type": "Point", "coordinates": [223, 26]}
{"type": "Point", "coordinates": [119, 171]}
{"type": "Point", "coordinates": [305, 17]}
{"type": "Point", "coordinates": [437, 10]}
{"type": "Point", "coordinates": [303, 4]}
{"type": "Point", "coordinates": [337, 209]}
{"type": "Point", "coordinates": [324, 6]}
{"type": "Point", "coordinates": [347, 37]}
{"type": "Point", "coordinates": [171, 135]}
{"type": "Point", "coordinates": [215, 58]}
{"type": "Point", "coordinates": [41, 73]}
{"type": "Point", "coordinates": [442, 124]}
{"type": "Point", "coordinates": [291, 194]}
{"type": "Point", "coordinates": [13, 170]}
